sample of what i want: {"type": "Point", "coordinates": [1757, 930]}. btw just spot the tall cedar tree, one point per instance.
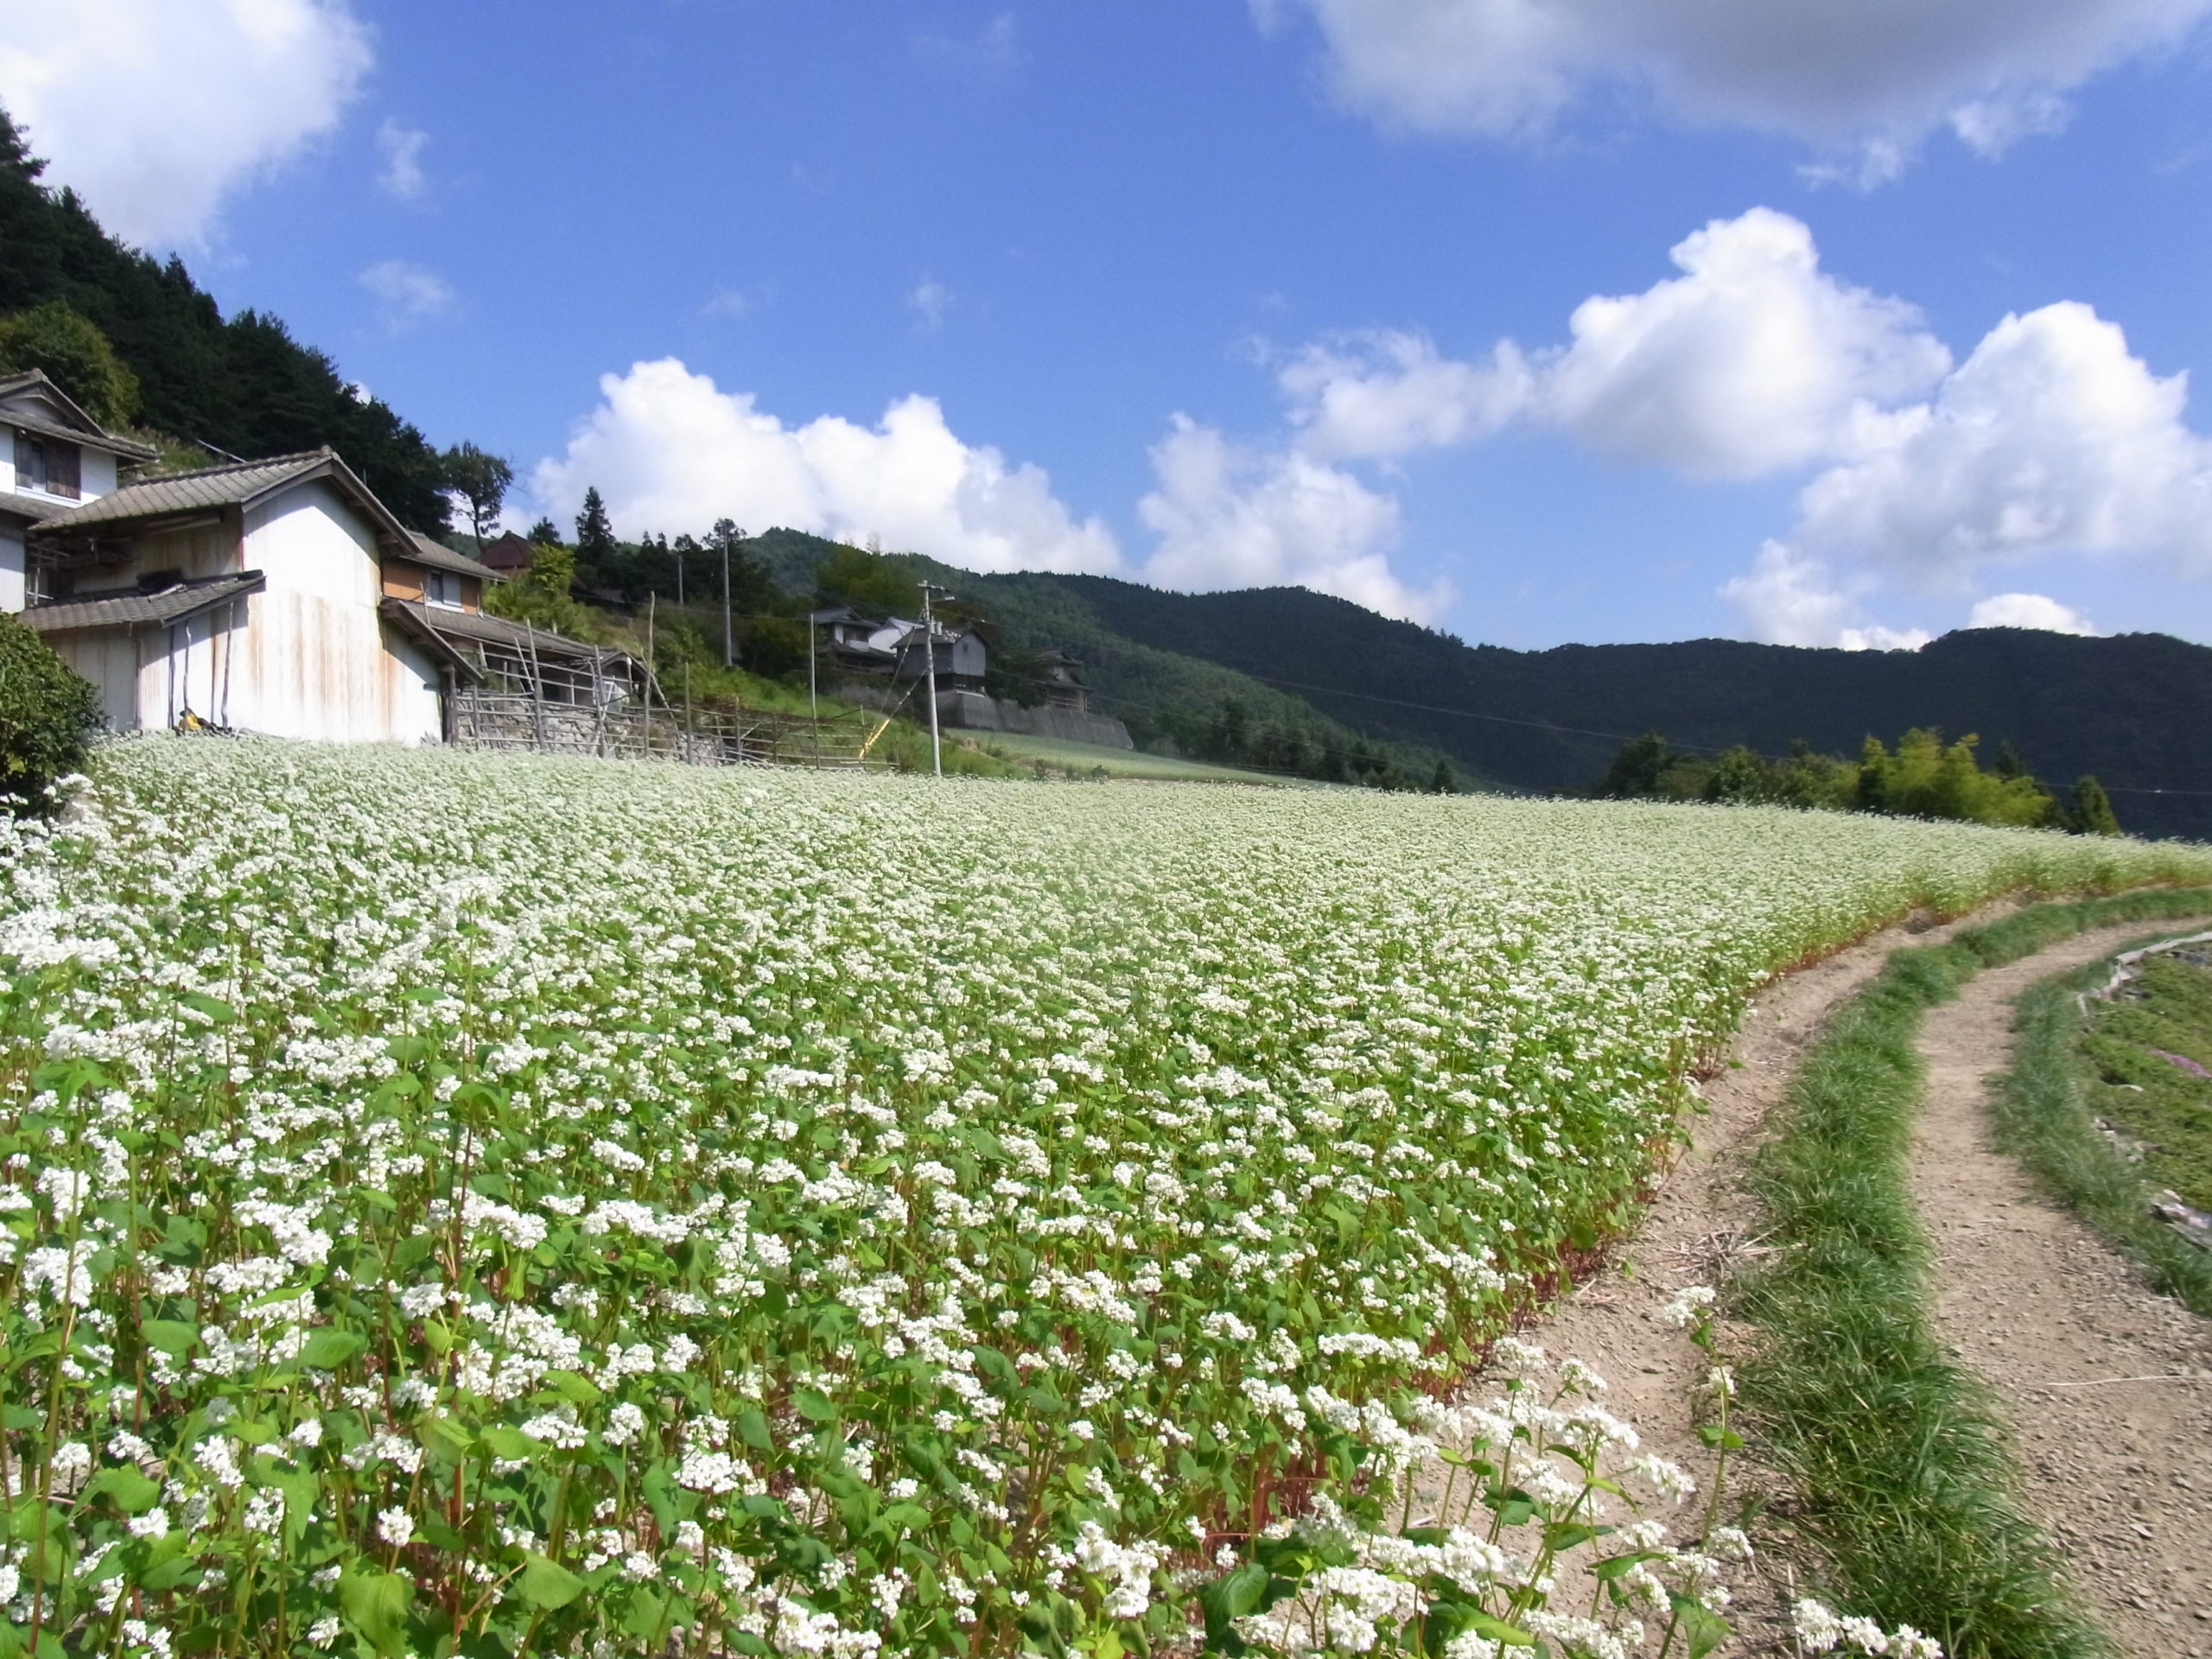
{"type": "Point", "coordinates": [244, 385]}
{"type": "Point", "coordinates": [595, 529]}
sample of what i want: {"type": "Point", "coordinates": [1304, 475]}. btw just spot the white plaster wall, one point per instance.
{"type": "Point", "coordinates": [110, 661]}
{"type": "Point", "coordinates": [316, 661]}
{"type": "Point", "coordinates": [7, 457]}
{"type": "Point", "coordinates": [95, 471]}
{"type": "Point", "coordinates": [11, 571]}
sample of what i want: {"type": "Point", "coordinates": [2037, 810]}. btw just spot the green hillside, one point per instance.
{"type": "Point", "coordinates": [2131, 709]}
{"type": "Point", "coordinates": [241, 385]}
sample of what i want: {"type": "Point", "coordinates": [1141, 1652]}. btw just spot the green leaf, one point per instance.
{"type": "Point", "coordinates": [376, 1606]}
{"type": "Point", "coordinates": [328, 1348]}
{"type": "Point", "coordinates": [753, 1428]}
{"type": "Point", "coordinates": [446, 1438]}
{"type": "Point", "coordinates": [570, 1386]}
{"type": "Point", "coordinates": [813, 1405]}
{"type": "Point", "coordinates": [171, 1337]}
{"type": "Point", "coordinates": [508, 1444]}
{"type": "Point", "coordinates": [134, 1494]}
{"type": "Point", "coordinates": [1613, 1565]}
{"type": "Point", "coordinates": [1702, 1629]}
{"type": "Point", "coordinates": [644, 1618]}
{"type": "Point", "coordinates": [1498, 1630]}
{"type": "Point", "coordinates": [1561, 1537]}
{"type": "Point", "coordinates": [547, 1585]}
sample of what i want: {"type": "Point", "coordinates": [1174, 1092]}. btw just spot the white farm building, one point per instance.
{"type": "Point", "coordinates": [276, 596]}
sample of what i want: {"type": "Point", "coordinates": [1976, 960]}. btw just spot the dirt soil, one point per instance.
{"type": "Point", "coordinates": [2120, 1472]}
{"type": "Point", "coordinates": [2108, 1386]}
{"type": "Point", "coordinates": [1699, 1228]}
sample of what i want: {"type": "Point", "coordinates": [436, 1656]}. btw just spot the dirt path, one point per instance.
{"type": "Point", "coordinates": [1699, 1225]}
{"type": "Point", "coordinates": [2118, 1469]}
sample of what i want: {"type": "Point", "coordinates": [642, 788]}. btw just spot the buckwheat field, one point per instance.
{"type": "Point", "coordinates": [467, 1206]}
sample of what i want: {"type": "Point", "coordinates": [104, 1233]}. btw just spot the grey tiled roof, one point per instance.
{"type": "Point", "coordinates": [234, 484]}
{"type": "Point", "coordinates": [141, 610]}
{"type": "Point", "coordinates": [86, 430]}
{"type": "Point", "coordinates": [476, 627]}
{"type": "Point", "coordinates": [439, 556]}
{"type": "Point", "coordinates": [37, 508]}
{"type": "Point", "coordinates": [128, 448]}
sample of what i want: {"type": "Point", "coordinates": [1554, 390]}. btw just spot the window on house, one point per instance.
{"type": "Point", "coordinates": [47, 464]}
{"type": "Point", "coordinates": [442, 587]}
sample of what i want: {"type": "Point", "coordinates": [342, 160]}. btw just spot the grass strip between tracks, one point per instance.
{"type": "Point", "coordinates": [2042, 1118]}
{"type": "Point", "coordinates": [1896, 1456]}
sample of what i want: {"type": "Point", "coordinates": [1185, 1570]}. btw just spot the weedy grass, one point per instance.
{"type": "Point", "coordinates": [1896, 1455]}
{"type": "Point", "coordinates": [2043, 1116]}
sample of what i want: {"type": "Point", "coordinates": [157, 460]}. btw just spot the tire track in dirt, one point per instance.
{"type": "Point", "coordinates": [2117, 1469]}
{"type": "Point", "coordinates": [1700, 1225]}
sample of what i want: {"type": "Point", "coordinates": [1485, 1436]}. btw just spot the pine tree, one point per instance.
{"type": "Point", "coordinates": [595, 530]}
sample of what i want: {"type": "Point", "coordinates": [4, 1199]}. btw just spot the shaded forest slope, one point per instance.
{"type": "Point", "coordinates": [2135, 709]}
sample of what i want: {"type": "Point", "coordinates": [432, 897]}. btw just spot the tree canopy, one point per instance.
{"type": "Point", "coordinates": [76, 356]}
{"type": "Point", "coordinates": [242, 385]}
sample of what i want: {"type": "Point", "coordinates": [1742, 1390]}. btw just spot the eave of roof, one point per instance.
{"type": "Point", "coordinates": [410, 619]}
{"type": "Point", "coordinates": [127, 448]}
{"type": "Point", "coordinates": [83, 429]}
{"type": "Point", "coordinates": [479, 629]}
{"type": "Point", "coordinates": [243, 484]}
{"type": "Point", "coordinates": [35, 508]}
{"type": "Point", "coordinates": [164, 609]}
{"type": "Point", "coordinates": [439, 556]}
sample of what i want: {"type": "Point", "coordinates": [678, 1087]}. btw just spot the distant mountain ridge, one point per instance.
{"type": "Point", "coordinates": [2136, 709]}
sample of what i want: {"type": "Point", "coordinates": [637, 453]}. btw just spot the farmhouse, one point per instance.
{"type": "Point", "coordinates": [276, 596]}
{"type": "Point", "coordinates": [53, 457]}
{"type": "Point", "coordinates": [897, 647]}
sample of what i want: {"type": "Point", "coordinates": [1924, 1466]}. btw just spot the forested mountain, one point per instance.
{"type": "Point", "coordinates": [2136, 709]}
{"type": "Point", "coordinates": [1204, 710]}
{"type": "Point", "coordinates": [242, 385]}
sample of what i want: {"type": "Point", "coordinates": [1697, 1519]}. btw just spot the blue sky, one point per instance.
{"type": "Point", "coordinates": [1213, 293]}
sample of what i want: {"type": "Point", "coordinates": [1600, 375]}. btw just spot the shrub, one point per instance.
{"type": "Point", "coordinates": [45, 711]}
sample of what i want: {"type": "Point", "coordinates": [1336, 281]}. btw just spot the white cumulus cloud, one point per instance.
{"type": "Point", "coordinates": [402, 147]}
{"type": "Point", "coordinates": [407, 294]}
{"type": "Point", "coordinates": [156, 110]}
{"type": "Point", "coordinates": [1871, 75]}
{"type": "Point", "coordinates": [2028, 610]}
{"type": "Point", "coordinates": [2051, 437]}
{"type": "Point", "coordinates": [1754, 358]}
{"type": "Point", "coordinates": [1231, 516]}
{"type": "Point", "coordinates": [670, 452]}
{"type": "Point", "coordinates": [928, 301]}
{"type": "Point", "coordinates": [1385, 392]}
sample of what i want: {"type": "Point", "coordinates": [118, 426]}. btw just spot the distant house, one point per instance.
{"type": "Point", "coordinates": [1064, 687]}
{"type": "Point", "coordinates": [898, 647]}
{"type": "Point", "coordinates": [509, 556]}
{"type": "Point", "coordinates": [895, 647]}
{"type": "Point", "coordinates": [53, 457]}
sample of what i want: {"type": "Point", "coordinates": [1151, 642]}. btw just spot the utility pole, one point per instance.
{"type": "Point", "coordinates": [729, 638]}
{"type": "Point", "coordinates": [929, 660]}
